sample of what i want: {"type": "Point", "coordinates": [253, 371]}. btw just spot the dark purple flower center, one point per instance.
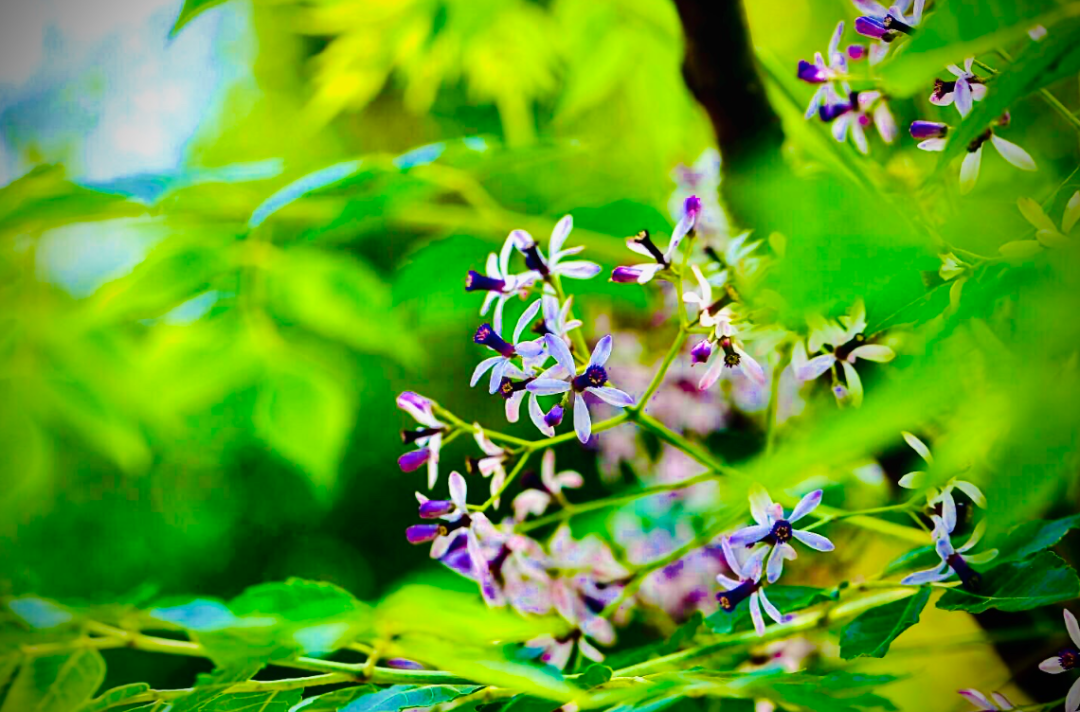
{"type": "Point", "coordinates": [474, 281]}
{"type": "Point", "coordinates": [534, 261]}
{"type": "Point", "coordinates": [507, 387]}
{"type": "Point", "coordinates": [980, 140]}
{"type": "Point", "coordinates": [486, 335]}
{"type": "Point", "coordinates": [496, 564]}
{"type": "Point", "coordinates": [844, 350]}
{"type": "Point", "coordinates": [891, 23]}
{"type": "Point", "coordinates": [831, 112]}
{"type": "Point", "coordinates": [811, 73]}
{"type": "Point", "coordinates": [643, 239]}
{"type": "Point", "coordinates": [781, 531]}
{"type": "Point", "coordinates": [730, 599]}
{"type": "Point", "coordinates": [410, 436]}
{"type": "Point", "coordinates": [942, 87]}
{"type": "Point", "coordinates": [594, 377]}
{"type": "Point", "coordinates": [1069, 658]}
{"type": "Point", "coordinates": [731, 356]}
{"type": "Point", "coordinates": [969, 577]}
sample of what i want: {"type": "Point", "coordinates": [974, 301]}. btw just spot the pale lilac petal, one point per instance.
{"type": "Point", "coordinates": [858, 136]}
{"type": "Point", "coordinates": [489, 297]}
{"type": "Point", "coordinates": [933, 144]}
{"type": "Point", "coordinates": [775, 566]}
{"type": "Point", "coordinates": [497, 373]}
{"type": "Point", "coordinates": [504, 256]}
{"type": "Point", "coordinates": [1014, 154]}
{"type": "Point", "coordinates": [588, 651]}
{"type": "Point", "coordinates": [969, 171]}
{"type": "Point", "coordinates": [834, 41]}
{"type": "Point", "coordinates": [1072, 627]}
{"type": "Point", "coordinates": [978, 92]}
{"type": "Point", "coordinates": [978, 699]}
{"type": "Point", "coordinates": [496, 318]}
{"type": "Point", "coordinates": [458, 490]}
{"type": "Point", "coordinates": [526, 319]}
{"type": "Point", "coordinates": [536, 415]}
{"type": "Point", "coordinates": [885, 123]}
{"type": "Point", "coordinates": [854, 383]}
{"type": "Point", "coordinates": [760, 505]}
{"type": "Point", "coordinates": [750, 367]}
{"type": "Point", "coordinates": [948, 511]}
{"type": "Point", "coordinates": [806, 505]}
{"type": "Point", "coordinates": [755, 614]}
{"type": "Point", "coordinates": [530, 349]}
{"type": "Point", "coordinates": [612, 396]}
{"type": "Point", "coordinates": [1072, 700]}
{"type": "Point", "coordinates": [647, 272]}
{"type": "Point", "coordinates": [531, 501]}
{"type": "Point", "coordinates": [815, 367]}
{"type": "Point", "coordinates": [580, 269]}
{"type": "Point", "coordinates": [712, 375]}
{"type": "Point", "coordinates": [1052, 665]}
{"type": "Point", "coordinates": [513, 406]}
{"type": "Point", "coordinates": [1002, 700]}
{"type": "Point", "coordinates": [482, 368]}
{"type": "Point", "coordinates": [558, 349]}
{"type": "Point", "coordinates": [601, 352]}
{"type": "Point", "coordinates": [730, 557]}
{"type": "Point", "coordinates": [873, 352]}
{"type": "Point", "coordinates": [728, 584]}
{"type": "Point", "coordinates": [814, 541]}
{"type": "Point", "coordinates": [582, 420]}
{"type": "Point", "coordinates": [521, 239]}
{"type": "Point", "coordinates": [918, 579]}
{"type": "Point", "coordinates": [974, 493]}
{"type": "Point", "coordinates": [547, 387]}
{"type": "Point", "coordinates": [750, 535]}
{"type": "Point", "coordinates": [433, 460]}
{"type": "Point", "coordinates": [772, 611]}
{"type": "Point", "coordinates": [569, 479]}
{"type": "Point", "coordinates": [560, 233]}
{"type": "Point", "coordinates": [963, 95]}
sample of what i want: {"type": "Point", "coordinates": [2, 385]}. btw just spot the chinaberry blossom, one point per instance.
{"type": "Point", "coordinates": [427, 437]}
{"type": "Point", "coordinates": [969, 169]}
{"type": "Point", "coordinates": [823, 73]}
{"type": "Point", "coordinates": [774, 529]}
{"type": "Point", "coordinates": [887, 23]}
{"type": "Point", "coordinates": [843, 345]}
{"type": "Point", "coordinates": [491, 465]}
{"type": "Point", "coordinates": [1067, 659]}
{"type": "Point", "coordinates": [593, 381]}
{"type": "Point", "coordinates": [940, 500]}
{"type": "Point", "coordinates": [952, 560]}
{"type": "Point", "coordinates": [963, 91]}
{"type": "Point", "coordinates": [557, 319]}
{"type": "Point", "coordinates": [498, 283]}
{"type": "Point", "coordinates": [643, 245]}
{"type": "Point", "coordinates": [455, 529]}
{"type": "Point", "coordinates": [747, 585]}
{"type": "Point", "coordinates": [544, 268]}
{"type": "Point", "coordinates": [531, 352]}
{"type": "Point", "coordinates": [983, 703]}
{"type": "Point", "coordinates": [853, 114]}
{"type": "Point", "coordinates": [514, 570]}
{"type": "Point", "coordinates": [718, 315]}
{"type": "Point", "coordinates": [537, 496]}
{"type": "Point", "coordinates": [701, 179]}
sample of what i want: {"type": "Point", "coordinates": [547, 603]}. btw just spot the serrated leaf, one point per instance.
{"type": "Point", "coordinates": [1019, 586]}
{"type": "Point", "coordinates": [270, 701]}
{"type": "Point", "coordinates": [189, 11]}
{"type": "Point", "coordinates": [56, 683]}
{"type": "Point", "coordinates": [1030, 538]}
{"type": "Point", "coordinates": [787, 599]}
{"type": "Point", "coordinates": [391, 699]}
{"type": "Point", "coordinates": [210, 686]}
{"type": "Point", "coordinates": [115, 697]}
{"type": "Point", "coordinates": [872, 632]}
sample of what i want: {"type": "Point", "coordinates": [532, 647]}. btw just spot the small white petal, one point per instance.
{"type": "Point", "coordinates": [536, 415]}
{"type": "Point", "coordinates": [760, 505]}
{"type": "Point", "coordinates": [580, 269]}
{"type": "Point", "coordinates": [513, 406]}
{"type": "Point", "coordinates": [1014, 154]}
{"type": "Point", "coordinates": [770, 609]}
{"type": "Point", "coordinates": [964, 101]}
{"type": "Point", "coordinates": [918, 446]}
{"type": "Point", "coordinates": [601, 352]}
{"type": "Point", "coordinates": [458, 490]}
{"type": "Point", "coordinates": [933, 144]}
{"type": "Point", "coordinates": [978, 699]}
{"type": "Point", "coordinates": [482, 368]}
{"type": "Point", "coordinates": [775, 566]}
{"type": "Point", "coordinates": [497, 373]}
{"type": "Point", "coordinates": [872, 352]}
{"type": "Point", "coordinates": [547, 387]}
{"type": "Point", "coordinates": [1072, 700]}
{"type": "Point", "coordinates": [969, 171]}
{"type": "Point", "coordinates": [815, 367]}
{"type": "Point", "coordinates": [750, 535]}
{"type": "Point", "coordinates": [526, 319]}
{"type": "Point", "coordinates": [612, 396]}
{"type": "Point", "coordinates": [854, 384]}
{"type": "Point", "coordinates": [973, 492]}
{"type": "Point", "coordinates": [582, 420]}
{"type": "Point", "coordinates": [1052, 665]}
{"type": "Point", "coordinates": [813, 540]}
{"type": "Point", "coordinates": [806, 505]}
{"type": "Point", "coordinates": [913, 480]}
{"type": "Point", "coordinates": [1072, 627]}
{"type": "Point", "coordinates": [755, 614]}
{"type": "Point", "coordinates": [558, 349]}
{"type": "Point", "coordinates": [922, 577]}
{"type": "Point", "coordinates": [560, 233]}
{"type": "Point", "coordinates": [727, 583]}
{"type": "Point", "coordinates": [1035, 215]}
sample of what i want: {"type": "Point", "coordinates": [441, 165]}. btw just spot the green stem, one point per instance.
{"type": "Point", "coordinates": [903, 506]}
{"type": "Point", "coordinates": [296, 683]}
{"type": "Point", "coordinates": [658, 377]}
{"type": "Point", "coordinates": [509, 478]}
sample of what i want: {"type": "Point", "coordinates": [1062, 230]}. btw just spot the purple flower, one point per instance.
{"type": "Point", "coordinates": [498, 283]}
{"type": "Point", "coordinates": [557, 319]}
{"type": "Point", "coordinates": [853, 115]}
{"type": "Point", "coordinates": [456, 523]}
{"type": "Point", "coordinates": [856, 52]}
{"type": "Point", "coordinates": [735, 358]}
{"type": "Point", "coordinates": [643, 245]}
{"type": "Point", "coordinates": [983, 704]}
{"type": "Point", "coordinates": [593, 380]}
{"type": "Point", "coordinates": [542, 268]}
{"type": "Point", "coordinates": [886, 24]}
{"type": "Point", "coordinates": [1068, 659]}
{"type": "Point", "coordinates": [952, 561]}
{"type": "Point", "coordinates": [963, 91]}
{"type": "Point", "coordinates": [491, 464]}
{"type": "Point", "coordinates": [922, 130]}
{"type": "Point", "coordinates": [969, 169]}
{"type": "Point", "coordinates": [701, 352]}
{"type": "Point", "coordinates": [747, 585]}
{"type": "Point", "coordinates": [828, 75]}
{"type": "Point", "coordinates": [428, 437]}
{"type": "Point", "coordinates": [531, 352]}
{"type": "Point", "coordinates": [774, 529]}
{"type": "Point", "coordinates": [535, 500]}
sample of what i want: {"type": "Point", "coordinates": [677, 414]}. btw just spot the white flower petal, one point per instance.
{"type": "Point", "coordinates": [969, 171]}
{"type": "Point", "coordinates": [1072, 627]}
{"type": "Point", "coordinates": [458, 490]}
{"type": "Point", "coordinates": [750, 535]}
{"type": "Point", "coordinates": [815, 367]}
{"type": "Point", "coordinates": [482, 368]}
{"type": "Point", "coordinates": [770, 609]}
{"type": "Point", "coordinates": [918, 446]}
{"type": "Point", "coordinates": [974, 493]}
{"type": "Point", "coordinates": [775, 566]}
{"type": "Point", "coordinates": [873, 352]}
{"type": "Point", "coordinates": [755, 614]}
{"type": "Point", "coordinates": [913, 480]}
{"type": "Point", "coordinates": [580, 269]}
{"type": "Point", "coordinates": [612, 396]}
{"type": "Point", "coordinates": [601, 352]}
{"type": "Point", "coordinates": [547, 387]}
{"type": "Point", "coordinates": [1014, 154]}
{"type": "Point", "coordinates": [497, 373]}
{"type": "Point", "coordinates": [760, 505]}
{"type": "Point", "coordinates": [526, 319]}
{"type": "Point", "coordinates": [933, 144]}
{"type": "Point", "coordinates": [1035, 215]}
{"type": "Point", "coordinates": [854, 384]}
{"type": "Point", "coordinates": [560, 233]}
{"type": "Point", "coordinates": [558, 349]}
{"type": "Point", "coordinates": [1072, 700]}
{"type": "Point", "coordinates": [923, 577]}
{"type": "Point", "coordinates": [978, 699]}
{"type": "Point", "coordinates": [536, 415]}
{"type": "Point", "coordinates": [731, 559]}
{"type": "Point", "coordinates": [1052, 665]}
{"type": "Point", "coordinates": [813, 540]}
{"type": "Point", "coordinates": [513, 406]}
{"type": "Point", "coordinates": [964, 101]}
{"type": "Point", "coordinates": [582, 420]}
{"type": "Point", "coordinates": [806, 505]}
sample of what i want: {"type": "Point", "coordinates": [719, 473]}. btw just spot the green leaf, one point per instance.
{"type": "Point", "coordinates": [594, 676]}
{"type": "Point", "coordinates": [210, 686]}
{"type": "Point", "coordinates": [44, 199]}
{"type": "Point", "coordinates": [787, 599]}
{"type": "Point", "coordinates": [922, 557]}
{"type": "Point", "coordinates": [56, 683]}
{"type": "Point", "coordinates": [190, 10]}
{"type": "Point", "coordinates": [40, 613]}
{"type": "Point", "coordinates": [115, 697]}
{"type": "Point", "coordinates": [1039, 64]}
{"type": "Point", "coordinates": [871, 633]}
{"type": "Point", "coordinates": [836, 692]}
{"type": "Point", "coordinates": [391, 699]}
{"type": "Point", "coordinates": [1039, 581]}
{"type": "Point", "coordinates": [1032, 537]}
{"type": "Point", "coordinates": [270, 701]}
{"type": "Point", "coordinates": [954, 30]}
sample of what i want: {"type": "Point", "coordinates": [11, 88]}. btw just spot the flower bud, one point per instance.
{"type": "Point", "coordinates": [414, 460]}
{"type": "Point", "coordinates": [422, 533]}
{"type": "Point", "coordinates": [701, 352]}
{"type": "Point", "coordinates": [554, 416]}
{"type": "Point", "coordinates": [435, 508]}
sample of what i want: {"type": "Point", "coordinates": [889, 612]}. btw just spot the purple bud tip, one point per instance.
{"type": "Point", "coordinates": [625, 275]}
{"type": "Point", "coordinates": [474, 281]}
{"type": "Point", "coordinates": [856, 52]}
{"type": "Point", "coordinates": [402, 664]}
{"type": "Point", "coordinates": [701, 352]}
{"type": "Point", "coordinates": [421, 533]}
{"type": "Point", "coordinates": [811, 73]}
{"type": "Point", "coordinates": [435, 508]}
{"type": "Point", "coordinates": [831, 112]}
{"type": "Point", "coordinates": [692, 207]}
{"type": "Point", "coordinates": [554, 416]}
{"type": "Point", "coordinates": [414, 460]}
{"type": "Point", "coordinates": [871, 27]}
{"type": "Point", "coordinates": [408, 398]}
{"type": "Point", "coordinates": [928, 129]}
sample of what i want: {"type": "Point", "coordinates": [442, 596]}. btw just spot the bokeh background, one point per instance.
{"type": "Point", "coordinates": [199, 355]}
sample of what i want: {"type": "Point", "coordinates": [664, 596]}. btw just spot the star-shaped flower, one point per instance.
{"type": "Point", "coordinates": [776, 530]}
{"type": "Point", "coordinates": [427, 438]}
{"type": "Point", "coordinates": [747, 585]}
{"type": "Point", "coordinates": [544, 268]}
{"type": "Point", "coordinates": [952, 560]}
{"type": "Point", "coordinates": [1067, 659]}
